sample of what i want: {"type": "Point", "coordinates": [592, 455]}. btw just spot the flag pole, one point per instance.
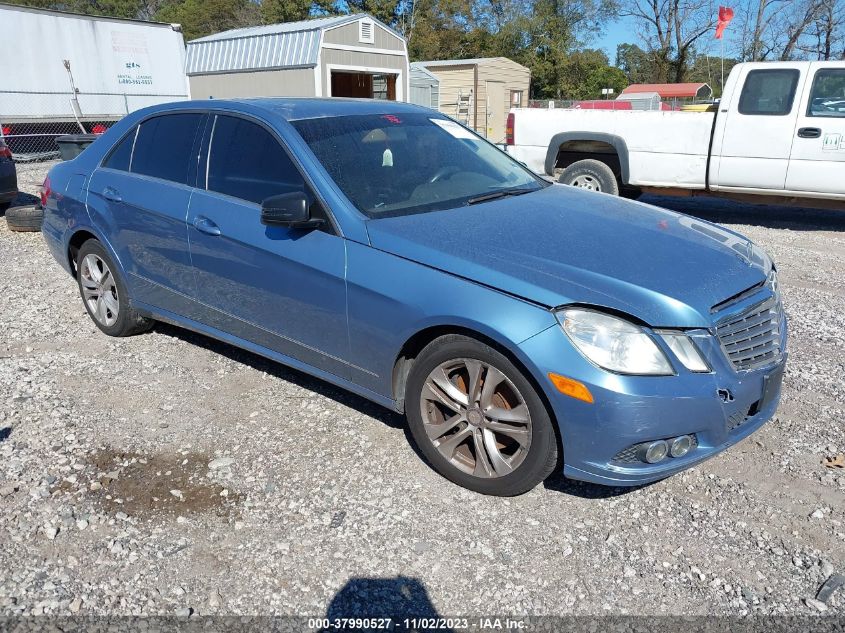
{"type": "Point", "coordinates": [722, 55]}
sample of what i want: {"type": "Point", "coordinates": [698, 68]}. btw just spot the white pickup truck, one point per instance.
{"type": "Point", "coordinates": [777, 135]}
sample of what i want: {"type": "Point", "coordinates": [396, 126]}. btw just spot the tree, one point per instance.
{"type": "Point", "coordinates": [780, 27]}
{"type": "Point", "coordinates": [204, 17]}
{"type": "Point", "coordinates": [672, 28]}
{"type": "Point", "coordinates": [385, 10]}
{"type": "Point", "coordinates": [638, 65]}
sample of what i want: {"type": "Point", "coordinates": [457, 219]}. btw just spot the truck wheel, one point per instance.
{"type": "Point", "coordinates": [592, 175]}
{"type": "Point", "coordinates": [24, 219]}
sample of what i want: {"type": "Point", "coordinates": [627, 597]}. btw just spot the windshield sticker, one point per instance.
{"type": "Point", "coordinates": [455, 129]}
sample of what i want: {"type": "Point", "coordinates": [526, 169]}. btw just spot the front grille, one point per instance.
{"type": "Point", "coordinates": [753, 338]}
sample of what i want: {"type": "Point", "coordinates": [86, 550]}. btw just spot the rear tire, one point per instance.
{"type": "Point", "coordinates": [501, 441]}
{"type": "Point", "coordinates": [24, 219]}
{"type": "Point", "coordinates": [592, 175]}
{"type": "Point", "coordinates": [104, 293]}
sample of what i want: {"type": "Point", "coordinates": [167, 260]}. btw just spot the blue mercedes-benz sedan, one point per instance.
{"type": "Point", "coordinates": [522, 327]}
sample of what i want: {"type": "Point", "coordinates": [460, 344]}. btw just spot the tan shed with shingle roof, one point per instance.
{"type": "Point", "coordinates": [480, 92]}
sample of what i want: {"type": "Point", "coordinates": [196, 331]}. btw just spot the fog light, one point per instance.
{"type": "Point", "coordinates": [655, 451]}
{"type": "Point", "coordinates": [680, 446]}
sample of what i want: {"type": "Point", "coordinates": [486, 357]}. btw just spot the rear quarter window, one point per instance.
{"type": "Point", "coordinates": [163, 146]}
{"type": "Point", "coordinates": [769, 92]}
{"type": "Point", "coordinates": [121, 154]}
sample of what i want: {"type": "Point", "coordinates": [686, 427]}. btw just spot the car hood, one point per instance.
{"type": "Point", "coordinates": [561, 245]}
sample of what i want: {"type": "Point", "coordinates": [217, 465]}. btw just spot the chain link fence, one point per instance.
{"type": "Point", "coordinates": [30, 122]}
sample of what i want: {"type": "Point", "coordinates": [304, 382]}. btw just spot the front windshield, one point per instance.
{"type": "Point", "coordinates": [399, 164]}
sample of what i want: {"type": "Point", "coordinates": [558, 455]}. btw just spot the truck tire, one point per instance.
{"type": "Point", "coordinates": [592, 175]}
{"type": "Point", "coordinates": [24, 219]}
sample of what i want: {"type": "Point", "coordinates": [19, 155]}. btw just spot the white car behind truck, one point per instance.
{"type": "Point", "coordinates": [777, 135]}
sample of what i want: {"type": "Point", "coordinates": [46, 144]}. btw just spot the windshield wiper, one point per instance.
{"type": "Point", "coordinates": [495, 195]}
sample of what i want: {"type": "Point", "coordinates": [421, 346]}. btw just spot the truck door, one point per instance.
{"type": "Point", "coordinates": [818, 149]}
{"type": "Point", "coordinates": [753, 139]}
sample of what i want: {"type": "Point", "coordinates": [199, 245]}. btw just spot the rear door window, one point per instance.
{"type": "Point", "coordinates": [827, 99]}
{"type": "Point", "coordinates": [163, 146]}
{"type": "Point", "coordinates": [769, 92]}
{"type": "Point", "coordinates": [246, 161]}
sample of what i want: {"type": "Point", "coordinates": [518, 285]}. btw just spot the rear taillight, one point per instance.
{"type": "Point", "coordinates": [7, 131]}
{"type": "Point", "coordinates": [509, 135]}
{"type": "Point", "coordinates": [5, 152]}
{"type": "Point", "coordinates": [45, 192]}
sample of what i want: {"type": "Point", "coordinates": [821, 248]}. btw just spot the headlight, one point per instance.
{"type": "Point", "coordinates": [772, 281]}
{"type": "Point", "coordinates": [613, 343]}
{"type": "Point", "coordinates": [686, 351]}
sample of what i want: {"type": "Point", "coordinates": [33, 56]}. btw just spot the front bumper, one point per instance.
{"type": "Point", "coordinates": [720, 408]}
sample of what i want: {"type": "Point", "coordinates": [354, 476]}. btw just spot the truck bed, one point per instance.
{"type": "Point", "coordinates": [666, 149]}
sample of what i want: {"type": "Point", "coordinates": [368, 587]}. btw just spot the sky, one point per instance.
{"type": "Point", "coordinates": [626, 31]}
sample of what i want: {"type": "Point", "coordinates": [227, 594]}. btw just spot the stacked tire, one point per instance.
{"type": "Point", "coordinates": [25, 219]}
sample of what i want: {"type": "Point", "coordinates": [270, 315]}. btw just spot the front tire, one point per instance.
{"type": "Point", "coordinates": [592, 175]}
{"type": "Point", "coordinates": [477, 418]}
{"type": "Point", "coordinates": [104, 293]}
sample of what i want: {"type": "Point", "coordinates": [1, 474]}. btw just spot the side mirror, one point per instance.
{"type": "Point", "coordinates": [288, 209]}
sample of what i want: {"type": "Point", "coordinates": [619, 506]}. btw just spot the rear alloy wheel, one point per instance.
{"type": "Point", "coordinates": [477, 419]}
{"type": "Point", "coordinates": [592, 175]}
{"type": "Point", "coordinates": [104, 293]}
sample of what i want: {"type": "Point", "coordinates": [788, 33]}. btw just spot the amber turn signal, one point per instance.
{"type": "Point", "coordinates": [571, 388]}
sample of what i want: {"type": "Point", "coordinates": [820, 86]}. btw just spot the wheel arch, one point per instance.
{"type": "Point", "coordinates": [419, 340]}
{"type": "Point", "coordinates": [576, 146]}
{"type": "Point", "coordinates": [78, 237]}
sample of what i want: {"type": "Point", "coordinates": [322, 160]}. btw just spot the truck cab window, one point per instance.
{"type": "Point", "coordinates": [769, 92]}
{"type": "Point", "coordinates": [827, 98]}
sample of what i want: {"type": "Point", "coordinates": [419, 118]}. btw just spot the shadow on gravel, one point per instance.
{"type": "Point", "coordinates": [24, 200]}
{"type": "Point", "coordinates": [398, 598]}
{"type": "Point", "coordinates": [585, 490]}
{"type": "Point", "coordinates": [5, 432]}
{"type": "Point", "coordinates": [288, 374]}
{"type": "Point", "coordinates": [556, 483]}
{"type": "Point", "coordinates": [769, 216]}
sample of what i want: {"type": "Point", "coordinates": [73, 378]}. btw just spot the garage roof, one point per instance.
{"type": "Point", "coordinates": [289, 45]}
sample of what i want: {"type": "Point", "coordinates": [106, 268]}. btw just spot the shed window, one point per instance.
{"type": "Point", "coordinates": [366, 32]}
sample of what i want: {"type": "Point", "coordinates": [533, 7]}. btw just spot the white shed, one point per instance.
{"type": "Point", "coordinates": [342, 56]}
{"type": "Point", "coordinates": [425, 87]}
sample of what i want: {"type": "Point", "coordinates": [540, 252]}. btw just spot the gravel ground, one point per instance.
{"type": "Point", "coordinates": [171, 474]}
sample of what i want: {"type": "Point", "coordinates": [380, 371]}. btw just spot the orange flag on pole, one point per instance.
{"type": "Point", "coordinates": [726, 14]}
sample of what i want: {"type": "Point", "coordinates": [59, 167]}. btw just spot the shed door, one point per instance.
{"type": "Point", "coordinates": [496, 111]}
{"type": "Point", "coordinates": [363, 85]}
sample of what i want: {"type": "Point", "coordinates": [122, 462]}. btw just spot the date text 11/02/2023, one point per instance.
{"type": "Point", "coordinates": [421, 623]}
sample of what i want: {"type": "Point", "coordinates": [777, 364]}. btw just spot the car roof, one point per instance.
{"type": "Point", "coordinates": [293, 109]}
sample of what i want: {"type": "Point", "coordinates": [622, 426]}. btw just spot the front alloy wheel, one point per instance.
{"type": "Point", "coordinates": [478, 419]}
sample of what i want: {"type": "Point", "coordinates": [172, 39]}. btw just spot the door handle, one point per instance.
{"type": "Point", "coordinates": [809, 132]}
{"type": "Point", "coordinates": [204, 225]}
{"type": "Point", "coordinates": [110, 193]}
